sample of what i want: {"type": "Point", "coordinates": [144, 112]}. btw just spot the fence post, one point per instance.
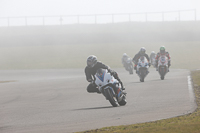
{"type": "Point", "coordinates": [26, 21]}
{"type": "Point", "coordinates": [95, 17]}
{"type": "Point", "coordinates": [61, 19]}
{"type": "Point", "coordinates": [146, 16]}
{"type": "Point", "coordinates": [112, 18]}
{"type": "Point", "coordinates": [129, 17]}
{"type": "Point", "coordinates": [179, 15]}
{"type": "Point", "coordinates": [163, 16]}
{"type": "Point", "coordinates": [8, 22]}
{"type": "Point", "coordinates": [78, 18]}
{"type": "Point", "coordinates": [43, 20]}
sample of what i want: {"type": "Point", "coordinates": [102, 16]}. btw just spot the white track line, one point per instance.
{"type": "Point", "coordinates": [191, 94]}
{"type": "Point", "coordinates": [190, 88]}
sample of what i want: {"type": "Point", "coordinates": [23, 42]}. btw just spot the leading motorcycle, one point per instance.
{"type": "Point", "coordinates": [110, 87]}
{"type": "Point", "coordinates": [142, 68]}
{"type": "Point", "coordinates": [163, 66]}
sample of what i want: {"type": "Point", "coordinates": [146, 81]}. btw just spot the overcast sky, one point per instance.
{"type": "Point", "coordinates": [14, 8]}
{"type": "Point", "coordinates": [64, 7]}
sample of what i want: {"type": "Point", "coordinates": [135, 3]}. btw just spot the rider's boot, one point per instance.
{"type": "Point", "coordinates": [169, 64]}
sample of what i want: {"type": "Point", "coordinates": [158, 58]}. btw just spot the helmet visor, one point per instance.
{"type": "Point", "coordinates": [142, 52]}
{"type": "Point", "coordinates": [90, 64]}
{"type": "Point", "coordinates": [162, 51]}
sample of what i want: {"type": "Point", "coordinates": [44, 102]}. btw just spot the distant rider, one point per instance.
{"type": "Point", "coordinates": [163, 52]}
{"type": "Point", "coordinates": [152, 56]}
{"type": "Point", "coordinates": [90, 70]}
{"type": "Point", "coordinates": [142, 52]}
{"type": "Point", "coordinates": [124, 59]}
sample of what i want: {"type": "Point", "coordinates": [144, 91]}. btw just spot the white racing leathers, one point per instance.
{"type": "Point", "coordinates": [153, 61]}
{"type": "Point", "coordinates": [142, 68]}
{"type": "Point", "coordinates": [129, 65]}
{"type": "Point", "coordinates": [162, 66]}
{"type": "Point", "coordinates": [110, 88]}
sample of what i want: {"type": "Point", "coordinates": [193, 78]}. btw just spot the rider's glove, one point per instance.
{"type": "Point", "coordinates": [89, 80]}
{"type": "Point", "coordinates": [110, 71]}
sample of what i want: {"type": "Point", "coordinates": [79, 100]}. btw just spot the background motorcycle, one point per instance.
{"type": "Point", "coordinates": [142, 68]}
{"type": "Point", "coordinates": [110, 87]}
{"type": "Point", "coordinates": [153, 61]}
{"type": "Point", "coordinates": [162, 66]}
{"type": "Point", "coordinates": [129, 66]}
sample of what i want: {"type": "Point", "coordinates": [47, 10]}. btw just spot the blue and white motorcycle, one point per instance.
{"type": "Point", "coordinates": [142, 68]}
{"type": "Point", "coordinates": [110, 87]}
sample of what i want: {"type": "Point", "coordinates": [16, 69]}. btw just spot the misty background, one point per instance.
{"type": "Point", "coordinates": [49, 34]}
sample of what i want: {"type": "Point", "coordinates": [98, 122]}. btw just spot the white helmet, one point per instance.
{"type": "Point", "coordinates": [142, 51]}
{"type": "Point", "coordinates": [125, 55]}
{"type": "Point", "coordinates": [153, 52]}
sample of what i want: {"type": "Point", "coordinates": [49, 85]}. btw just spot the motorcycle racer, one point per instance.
{"type": "Point", "coordinates": [124, 58]}
{"type": "Point", "coordinates": [90, 70]}
{"type": "Point", "coordinates": [163, 52]}
{"type": "Point", "coordinates": [152, 55]}
{"type": "Point", "coordinates": [142, 52]}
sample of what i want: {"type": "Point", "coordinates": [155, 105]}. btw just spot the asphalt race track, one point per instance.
{"type": "Point", "coordinates": [56, 101]}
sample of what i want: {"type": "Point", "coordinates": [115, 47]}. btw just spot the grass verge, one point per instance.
{"type": "Point", "coordinates": [189, 123]}
{"type": "Point", "coordinates": [6, 81]}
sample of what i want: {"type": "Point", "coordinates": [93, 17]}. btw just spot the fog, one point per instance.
{"type": "Point", "coordinates": [34, 37]}
{"type": "Point", "coordinates": [15, 8]}
{"type": "Point", "coordinates": [34, 11]}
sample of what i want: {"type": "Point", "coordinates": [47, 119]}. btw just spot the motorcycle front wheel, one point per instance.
{"type": "Point", "coordinates": [112, 99]}
{"type": "Point", "coordinates": [123, 101]}
{"type": "Point", "coordinates": [142, 75]}
{"type": "Point", "coordinates": [162, 73]}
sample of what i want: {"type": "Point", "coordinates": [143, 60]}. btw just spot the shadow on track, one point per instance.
{"type": "Point", "coordinates": [94, 108]}
{"type": "Point", "coordinates": [144, 81]}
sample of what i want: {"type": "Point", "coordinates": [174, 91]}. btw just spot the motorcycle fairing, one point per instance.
{"type": "Point", "coordinates": [100, 74]}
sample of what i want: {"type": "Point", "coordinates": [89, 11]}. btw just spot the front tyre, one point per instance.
{"type": "Point", "coordinates": [142, 75]}
{"type": "Point", "coordinates": [142, 80]}
{"type": "Point", "coordinates": [112, 99]}
{"type": "Point", "coordinates": [162, 77]}
{"type": "Point", "coordinates": [131, 72]}
{"type": "Point", "coordinates": [123, 101]}
{"type": "Point", "coordinates": [162, 73]}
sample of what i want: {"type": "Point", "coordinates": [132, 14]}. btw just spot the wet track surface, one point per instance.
{"type": "Point", "coordinates": [57, 101]}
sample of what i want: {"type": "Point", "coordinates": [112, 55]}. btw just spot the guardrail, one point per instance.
{"type": "Point", "coordinates": [180, 15]}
